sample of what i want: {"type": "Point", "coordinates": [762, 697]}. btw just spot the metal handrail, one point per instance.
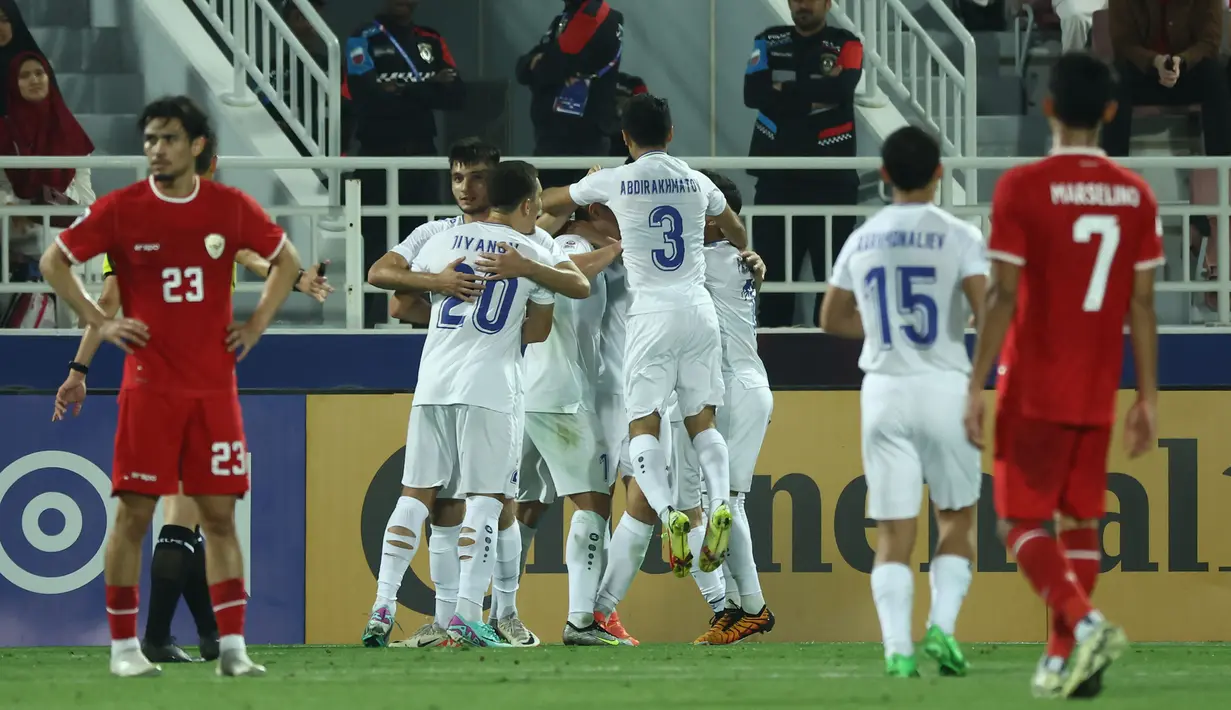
{"type": "Point", "coordinates": [353, 211]}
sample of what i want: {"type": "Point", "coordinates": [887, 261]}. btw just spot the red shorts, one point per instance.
{"type": "Point", "coordinates": [164, 439]}
{"type": "Point", "coordinates": [1043, 467]}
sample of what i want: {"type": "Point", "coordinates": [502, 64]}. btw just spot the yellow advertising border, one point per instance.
{"type": "Point", "coordinates": [1163, 534]}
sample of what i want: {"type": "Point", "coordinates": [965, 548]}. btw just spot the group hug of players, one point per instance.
{"type": "Point", "coordinates": [638, 323]}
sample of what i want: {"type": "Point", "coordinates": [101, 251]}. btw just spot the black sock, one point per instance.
{"type": "Point", "coordinates": [196, 593]}
{"type": "Point", "coordinates": [168, 571]}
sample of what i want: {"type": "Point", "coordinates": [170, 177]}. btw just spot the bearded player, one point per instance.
{"type": "Point", "coordinates": [177, 567]}
{"type": "Point", "coordinates": [1074, 245]}
{"type": "Point", "coordinates": [175, 237]}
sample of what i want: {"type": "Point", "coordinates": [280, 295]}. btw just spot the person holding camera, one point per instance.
{"type": "Point", "coordinates": [1166, 54]}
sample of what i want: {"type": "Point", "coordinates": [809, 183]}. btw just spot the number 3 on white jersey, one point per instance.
{"type": "Point", "coordinates": [1108, 229]}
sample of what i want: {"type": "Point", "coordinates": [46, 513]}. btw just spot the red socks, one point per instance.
{"type": "Point", "coordinates": [1041, 560]}
{"type": "Point", "coordinates": [230, 601]}
{"type": "Point", "coordinates": [1084, 552]}
{"type": "Point", "coordinates": [122, 612]}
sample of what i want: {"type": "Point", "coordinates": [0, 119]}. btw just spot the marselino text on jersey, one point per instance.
{"type": "Point", "coordinates": [1095, 193]}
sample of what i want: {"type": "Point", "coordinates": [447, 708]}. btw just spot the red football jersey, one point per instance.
{"type": "Point", "coordinates": [1080, 226]}
{"type": "Point", "coordinates": [175, 257]}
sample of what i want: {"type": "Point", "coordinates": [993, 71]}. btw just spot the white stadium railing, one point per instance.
{"type": "Point", "coordinates": [264, 50]}
{"type": "Point", "coordinates": [349, 207]}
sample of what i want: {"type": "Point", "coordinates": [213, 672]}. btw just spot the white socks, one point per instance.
{"type": "Point", "coordinates": [584, 556]}
{"type": "Point", "coordinates": [628, 545]}
{"type": "Point", "coordinates": [477, 554]}
{"type": "Point", "coordinates": [740, 560]}
{"type": "Point", "coordinates": [445, 571]}
{"type": "Point", "coordinates": [505, 578]}
{"type": "Point", "coordinates": [733, 598]}
{"type": "Point", "coordinates": [713, 587]}
{"type": "Point", "coordinates": [893, 590]}
{"type": "Point", "coordinates": [950, 576]}
{"type": "Point", "coordinates": [409, 513]}
{"type": "Point", "coordinates": [712, 455]}
{"type": "Point", "coordinates": [650, 468]}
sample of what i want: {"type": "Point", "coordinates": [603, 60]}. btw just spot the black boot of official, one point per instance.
{"type": "Point", "coordinates": [168, 573]}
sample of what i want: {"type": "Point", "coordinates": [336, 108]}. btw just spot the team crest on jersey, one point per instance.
{"type": "Point", "coordinates": [828, 62]}
{"type": "Point", "coordinates": [425, 51]}
{"type": "Point", "coordinates": [214, 244]}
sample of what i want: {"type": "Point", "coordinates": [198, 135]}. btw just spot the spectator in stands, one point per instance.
{"type": "Point", "coordinates": [15, 39]}
{"type": "Point", "coordinates": [400, 73]}
{"type": "Point", "coordinates": [1167, 54]}
{"type": "Point", "coordinates": [572, 78]}
{"type": "Point", "coordinates": [39, 123]}
{"type": "Point", "coordinates": [1076, 21]}
{"type": "Point", "coordinates": [627, 86]}
{"type": "Point", "coordinates": [802, 82]}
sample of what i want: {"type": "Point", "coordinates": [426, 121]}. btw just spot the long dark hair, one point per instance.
{"type": "Point", "coordinates": [22, 42]}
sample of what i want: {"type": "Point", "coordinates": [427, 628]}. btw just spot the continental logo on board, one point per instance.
{"type": "Point", "coordinates": [1163, 539]}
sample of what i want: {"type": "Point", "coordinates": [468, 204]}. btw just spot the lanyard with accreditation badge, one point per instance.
{"type": "Point", "coordinates": [575, 95]}
{"type": "Point", "coordinates": [398, 46]}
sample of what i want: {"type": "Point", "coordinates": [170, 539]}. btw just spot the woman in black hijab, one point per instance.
{"type": "Point", "coordinates": [15, 39]}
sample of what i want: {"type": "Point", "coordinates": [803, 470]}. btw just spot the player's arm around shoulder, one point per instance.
{"type": "Point", "coordinates": [589, 260]}
{"type": "Point", "coordinates": [563, 277]}
{"type": "Point", "coordinates": [840, 310]}
{"type": "Point", "coordinates": [540, 310]}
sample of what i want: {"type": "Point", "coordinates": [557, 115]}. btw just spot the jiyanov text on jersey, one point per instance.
{"type": "Point", "coordinates": [901, 239]}
{"type": "Point", "coordinates": [1095, 194]}
{"type": "Point", "coordinates": [659, 186]}
{"type": "Point", "coordinates": [487, 246]}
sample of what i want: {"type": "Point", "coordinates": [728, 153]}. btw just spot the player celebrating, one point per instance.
{"type": "Point", "coordinates": [732, 279]}
{"type": "Point", "coordinates": [561, 455]}
{"type": "Point", "coordinates": [673, 340]}
{"type": "Point", "coordinates": [174, 237]}
{"type": "Point", "coordinates": [471, 161]}
{"type": "Point", "coordinates": [1078, 236]}
{"type": "Point", "coordinates": [898, 285]}
{"type": "Point", "coordinates": [178, 564]}
{"type": "Point", "coordinates": [463, 422]}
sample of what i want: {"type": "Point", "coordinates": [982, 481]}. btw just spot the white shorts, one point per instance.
{"type": "Point", "coordinates": [743, 420]}
{"type": "Point", "coordinates": [461, 449]}
{"type": "Point", "coordinates": [613, 425]}
{"type": "Point", "coordinates": [561, 456]}
{"type": "Point", "coordinates": [679, 351]}
{"type": "Point", "coordinates": [913, 434]}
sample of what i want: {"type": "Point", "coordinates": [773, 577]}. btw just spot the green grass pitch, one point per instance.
{"type": "Point", "coordinates": [752, 675]}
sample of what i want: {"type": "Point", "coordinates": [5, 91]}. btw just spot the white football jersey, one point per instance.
{"type": "Point", "coordinates": [409, 247]}
{"type": "Point", "coordinates": [473, 350]}
{"type": "Point", "coordinates": [733, 289]}
{"type": "Point", "coordinates": [905, 266]}
{"type": "Point", "coordinates": [661, 205]}
{"type": "Point", "coordinates": [562, 371]}
{"type": "Point", "coordinates": [615, 317]}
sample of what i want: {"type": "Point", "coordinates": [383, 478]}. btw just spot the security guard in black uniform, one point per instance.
{"type": "Point", "coordinates": [572, 76]}
{"type": "Point", "coordinates": [399, 74]}
{"type": "Point", "coordinates": [802, 80]}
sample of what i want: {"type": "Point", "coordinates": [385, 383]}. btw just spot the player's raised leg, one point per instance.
{"type": "Point", "coordinates": [712, 457]}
